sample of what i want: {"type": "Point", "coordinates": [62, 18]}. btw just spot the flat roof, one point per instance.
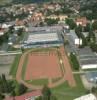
{"type": "Point", "coordinates": [85, 51]}
{"type": "Point", "coordinates": [42, 37]}
{"type": "Point", "coordinates": [87, 57]}
{"type": "Point", "coordinates": [88, 61]}
{"type": "Point", "coordinates": [45, 28]}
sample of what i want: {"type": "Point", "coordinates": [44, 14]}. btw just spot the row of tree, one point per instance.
{"type": "Point", "coordinates": [50, 21]}
{"type": "Point", "coordinates": [74, 61]}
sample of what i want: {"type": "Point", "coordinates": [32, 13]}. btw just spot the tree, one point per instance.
{"type": "Point", "coordinates": [71, 23]}
{"type": "Point", "coordinates": [13, 94]}
{"type": "Point", "coordinates": [20, 31]}
{"type": "Point", "coordinates": [67, 10]}
{"type": "Point", "coordinates": [74, 61]}
{"type": "Point", "coordinates": [87, 27]}
{"type": "Point", "coordinates": [2, 97]}
{"type": "Point", "coordinates": [46, 92]}
{"type": "Point", "coordinates": [78, 31]}
{"type": "Point", "coordinates": [94, 90]}
{"type": "Point", "coordinates": [20, 89]}
{"type": "Point", "coordinates": [93, 46]}
{"type": "Point", "coordinates": [51, 21]}
{"type": "Point", "coordinates": [91, 37]}
{"type": "Point", "coordinates": [94, 25]}
{"type": "Point", "coordinates": [11, 29]}
{"type": "Point", "coordinates": [2, 19]}
{"type": "Point", "coordinates": [1, 85]}
{"type": "Point", "coordinates": [5, 84]}
{"type": "Point", "coordinates": [41, 24]}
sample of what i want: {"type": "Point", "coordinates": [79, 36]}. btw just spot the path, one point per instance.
{"type": "Point", "coordinates": [67, 67]}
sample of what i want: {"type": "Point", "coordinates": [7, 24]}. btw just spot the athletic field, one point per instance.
{"type": "Point", "coordinates": [46, 65]}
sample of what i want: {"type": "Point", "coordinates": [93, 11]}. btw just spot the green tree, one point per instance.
{"type": "Point", "coordinates": [78, 31]}
{"type": "Point", "coordinates": [71, 23]}
{"type": "Point", "coordinates": [13, 94]}
{"type": "Point", "coordinates": [5, 84]}
{"type": "Point", "coordinates": [2, 97]}
{"type": "Point", "coordinates": [74, 61]}
{"type": "Point", "coordinates": [91, 37]}
{"type": "Point", "coordinates": [46, 92]}
{"type": "Point", "coordinates": [1, 86]}
{"type": "Point", "coordinates": [87, 28]}
{"type": "Point", "coordinates": [20, 31]}
{"type": "Point", "coordinates": [94, 25]}
{"type": "Point", "coordinates": [20, 89]}
{"type": "Point", "coordinates": [51, 21]}
{"type": "Point", "coordinates": [94, 90]}
{"type": "Point", "coordinates": [93, 46]}
{"type": "Point", "coordinates": [11, 29]}
{"type": "Point", "coordinates": [66, 10]}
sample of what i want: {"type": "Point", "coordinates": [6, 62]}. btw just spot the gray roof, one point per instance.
{"type": "Point", "coordinates": [42, 36]}
{"type": "Point", "coordinates": [45, 28]}
{"type": "Point", "coordinates": [87, 57]}
{"type": "Point", "coordinates": [88, 61]}
{"type": "Point", "coordinates": [85, 51]}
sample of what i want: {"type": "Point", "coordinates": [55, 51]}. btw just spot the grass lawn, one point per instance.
{"type": "Point", "coordinates": [56, 79]}
{"type": "Point", "coordinates": [38, 82]}
{"type": "Point", "coordinates": [65, 92]}
{"type": "Point", "coordinates": [14, 67]}
{"type": "Point", "coordinates": [24, 67]}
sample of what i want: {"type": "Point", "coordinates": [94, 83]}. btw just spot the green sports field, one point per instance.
{"type": "Point", "coordinates": [14, 66]}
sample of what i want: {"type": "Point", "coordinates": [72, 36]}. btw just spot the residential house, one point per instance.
{"type": "Point", "coordinates": [81, 21]}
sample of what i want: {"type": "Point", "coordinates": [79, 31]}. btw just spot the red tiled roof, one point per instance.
{"type": "Point", "coordinates": [83, 20]}
{"type": "Point", "coordinates": [26, 95]}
